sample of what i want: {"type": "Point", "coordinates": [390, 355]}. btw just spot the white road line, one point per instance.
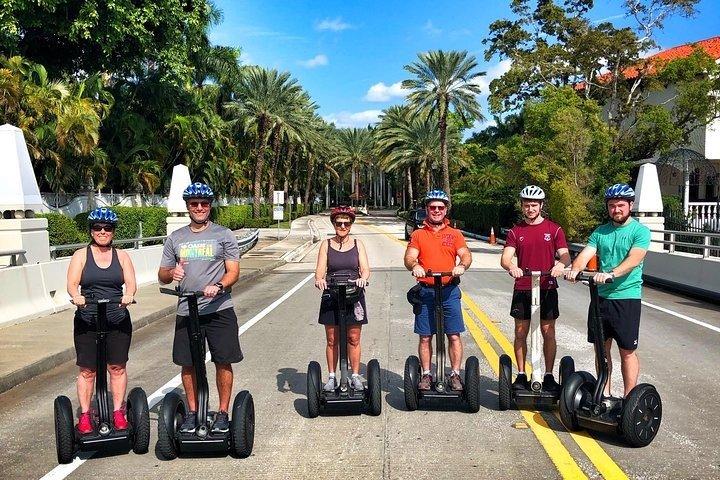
{"type": "Point", "coordinates": [62, 471]}
{"type": "Point", "coordinates": [684, 317]}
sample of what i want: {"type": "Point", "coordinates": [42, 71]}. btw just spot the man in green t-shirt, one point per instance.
{"type": "Point", "coordinates": [621, 245]}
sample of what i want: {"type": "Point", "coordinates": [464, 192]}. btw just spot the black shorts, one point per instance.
{"type": "Point", "coordinates": [118, 342]}
{"type": "Point", "coordinates": [220, 329]}
{"type": "Point", "coordinates": [522, 302]}
{"type": "Point", "coordinates": [621, 321]}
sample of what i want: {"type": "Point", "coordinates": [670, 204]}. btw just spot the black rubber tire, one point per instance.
{"type": "Point", "coordinates": [572, 395]}
{"type": "Point", "coordinates": [172, 411]}
{"type": "Point", "coordinates": [472, 384]}
{"type": "Point", "coordinates": [567, 368]}
{"type": "Point", "coordinates": [139, 417]}
{"type": "Point", "coordinates": [410, 382]}
{"type": "Point", "coordinates": [505, 382]}
{"type": "Point", "coordinates": [243, 424]}
{"type": "Point", "coordinates": [641, 415]}
{"type": "Point", "coordinates": [313, 389]}
{"type": "Point", "coordinates": [374, 386]}
{"type": "Point", "coordinates": [64, 430]}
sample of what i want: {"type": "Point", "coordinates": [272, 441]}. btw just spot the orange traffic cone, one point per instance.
{"type": "Point", "coordinates": [592, 264]}
{"type": "Point", "coordinates": [492, 240]}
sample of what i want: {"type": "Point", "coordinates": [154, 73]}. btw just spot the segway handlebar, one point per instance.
{"type": "Point", "coordinates": [335, 280]}
{"type": "Point", "coordinates": [431, 274]}
{"type": "Point", "coordinates": [588, 277]}
{"type": "Point", "coordinates": [95, 301]}
{"type": "Point", "coordinates": [190, 293]}
{"type": "Point", "coordinates": [529, 273]}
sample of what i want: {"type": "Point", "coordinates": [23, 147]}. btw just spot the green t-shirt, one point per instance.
{"type": "Point", "coordinates": [613, 245]}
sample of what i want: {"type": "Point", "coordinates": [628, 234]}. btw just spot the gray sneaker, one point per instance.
{"type": "Point", "coordinates": [222, 423]}
{"type": "Point", "coordinates": [356, 382]}
{"type": "Point", "coordinates": [189, 425]}
{"type": "Point", "coordinates": [330, 385]}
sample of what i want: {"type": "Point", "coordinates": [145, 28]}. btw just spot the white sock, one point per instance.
{"type": "Point", "coordinates": [331, 375]}
{"type": "Point", "coordinates": [426, 372]}
{"type": "Point", "coordinates": [548, 373]}
{"type": "Point", "coordinates": [521, 373]}
{"type": "Point", "coordinates": [355, 375]}
{"type": "Point", "coordinates": [456, 372]}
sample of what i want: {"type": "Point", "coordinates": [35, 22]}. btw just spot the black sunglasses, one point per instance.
{"type": "Point", "coordinates": [99, 228]}
{"type": "Point", "coordinates": [343, 224]}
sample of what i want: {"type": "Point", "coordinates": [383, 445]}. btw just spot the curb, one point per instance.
{"type": "Point", "coordinates": [28, 372]}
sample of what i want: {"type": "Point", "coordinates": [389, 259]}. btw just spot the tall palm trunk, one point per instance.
{"type": "Point", "coordinates": [276, 148]}
{"type": "Point", "coordinates": [259, 163]}
{"type": "Point", "coordinates": [311, 171]}
{"type": "Point", "coordinates": [287, 165]}
{"type": "Point", "coordinates": [443, 146]}
{"type": "Point", "coordinates": [409, 187]}
{"type": "Point", "coordinates": [428, 181]}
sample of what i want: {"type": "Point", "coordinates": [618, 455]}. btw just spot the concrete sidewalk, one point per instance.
{"type": "Point", "coordinates": [33, 347]}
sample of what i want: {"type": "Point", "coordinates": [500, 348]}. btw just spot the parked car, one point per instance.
{"type": "Point", "coordinates": [413, 221]}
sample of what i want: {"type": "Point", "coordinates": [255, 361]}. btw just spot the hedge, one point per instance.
{"type": "Point", "coordinates": [233, 217]}
{"type": "Point", "coordinates": [129, 218]}
{"type": "Point", "coordinates": [63, 230]}
{"type": "Point", "coordinates": [480, 215]}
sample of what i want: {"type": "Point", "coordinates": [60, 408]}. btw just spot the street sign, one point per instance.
{"type": "Point", "coordinates": [278, 212]}
{"type": "Point", "coordinates": [278, 197]}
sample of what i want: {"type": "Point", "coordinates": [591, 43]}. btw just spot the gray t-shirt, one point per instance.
{"type": "Point", "coordinates": [203, 255]}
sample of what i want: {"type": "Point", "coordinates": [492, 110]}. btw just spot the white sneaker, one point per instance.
{"type": "Point", "coordinates": [356, 382]}
{"type": "Point", "coordinates": [330, 385]}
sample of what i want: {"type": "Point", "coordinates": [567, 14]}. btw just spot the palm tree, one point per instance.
{"type": "Point", "coordinates": [354, 150]}
{"type": "Point", "coordinates": [443, 80]}
{"type": "Point", "coordinates": [262, 98]}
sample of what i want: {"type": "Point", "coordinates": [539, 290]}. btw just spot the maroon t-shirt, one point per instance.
{"type": "Point", "coordinates": [535, 247]}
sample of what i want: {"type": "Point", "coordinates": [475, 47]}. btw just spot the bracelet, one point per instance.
{"type": "Point", "coordinates": [220, 285]}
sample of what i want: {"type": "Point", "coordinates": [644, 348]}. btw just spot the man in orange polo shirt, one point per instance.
{"type": "Point", "coordinates": [436, 247]}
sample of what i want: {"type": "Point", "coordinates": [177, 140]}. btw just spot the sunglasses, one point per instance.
{"type": "Point", "coordinates": [439, 208]}
{"type": "Point", "coordinates": [100, 228]}
{"type": "Point", "coordinates": [203, 204]}
{"type": "Point", "coordinates": [343, 224]}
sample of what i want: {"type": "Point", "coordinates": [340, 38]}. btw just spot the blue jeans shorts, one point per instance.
{"type": "Point", "coordinates": [452, 310]}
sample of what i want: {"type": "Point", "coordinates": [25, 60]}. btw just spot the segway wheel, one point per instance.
{"type": "Point", "coordinates": [575, 390]}
{"type": "Point", "coordinates": [472, 384]}
{"type": "Point", "coordinates": [374, 387]}
{"type": "Point", "coordinates": [505, 382]}
{"type": "Point", "coordinates": [641, 415]}
{"type": "Point", "coordinates": [567, 368]}
{"type": "Point", "coordinates": [171, 416]}
{"type": "Point", "coordinates": [410, 382]}
{"type": "Point", "coordinates": [64, 430]}
{"type": "Point", "coordinates": [139, 416]}
{"type": "Point", "coordinates": [243, 424]}
{"type": "Point", "coordinates": [313, 389]}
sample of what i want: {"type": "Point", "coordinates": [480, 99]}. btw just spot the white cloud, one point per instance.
{"type": "Point", "coordinates": [382, 93]}
{"type": "Point", "coordinates": [356, 119]}
{"type": "Point", "coordinates": [317, 61]}
{"type": "Point", "coordinates": [495, 71]}
{"type": "Point", "coordinates": [336, 25]}
{"type": "Point", "coordinates": [431, 29]}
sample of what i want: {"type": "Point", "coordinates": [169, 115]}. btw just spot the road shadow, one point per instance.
{"type": "Point", "coordinates": [555, 424]}
{"type": "Point", "coordinates": [291, 380]}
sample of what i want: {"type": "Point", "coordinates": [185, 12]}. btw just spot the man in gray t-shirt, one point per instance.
{"type": "Point", "coordinates": [204, 256]}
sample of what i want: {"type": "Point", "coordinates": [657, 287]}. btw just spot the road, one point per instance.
{"type": "Point", "coordinates": [438, 441]}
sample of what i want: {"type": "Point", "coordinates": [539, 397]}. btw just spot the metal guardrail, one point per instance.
{"type": "Point", "coordinates": [245, 243]}
{"type": "Point", "coordinates": [13, 254]}
{"type": "Point", "coordinates": [706, 246]}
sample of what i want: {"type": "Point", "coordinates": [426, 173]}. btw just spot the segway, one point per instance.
{"type": "Point", "coordinates": [104, 436]}
{"type": "Point", "coordinates": [636, 418]}
{"type": "Point", "coordinates": [534, 397]}
{"type": "Point", "coordinates": [171, 441]}
{"type": "Point", "coordinates": [439, 388]}
{"type": "Point", "coordinates": [371, 394]}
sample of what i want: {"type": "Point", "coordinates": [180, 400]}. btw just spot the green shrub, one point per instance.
{"type": "Point", "coordinates": [153, 221]}
{"type": "Point", "coordinates": [63, 230]}
{"type": "Point", "coordinates": [480, 215]}
{"type": "Point", "coordinates": [233, 217]}
{"type": "Point", "coordinates": [262, 222]}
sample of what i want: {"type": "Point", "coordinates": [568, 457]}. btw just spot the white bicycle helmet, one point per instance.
{"type": "Point", "coordinates": [532, 192]}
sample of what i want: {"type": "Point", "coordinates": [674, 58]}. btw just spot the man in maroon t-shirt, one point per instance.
{"type": "Point", "coordinates": [537, 242]}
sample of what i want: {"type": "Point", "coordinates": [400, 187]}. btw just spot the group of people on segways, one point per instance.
{"type": "Point", "coordinates": [203, 258]}
{"type": "Point", "coordinates": [614, 314]}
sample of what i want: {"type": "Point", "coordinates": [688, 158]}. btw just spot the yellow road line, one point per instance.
{"type": "Point", "coordinates": [597, 455]}
{"type": "Point", "coordinates": [389, 235]}
{"type": "Point", "coordinates": [559, 455]}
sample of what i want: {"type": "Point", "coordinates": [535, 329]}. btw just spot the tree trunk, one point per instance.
{"type": "Point", "coordinates": [287, 164]}
{"type": "Point", "coordinates": [443, 147]}
{"type": "Point", "coordinates": [259, 163]}
{"type": "Point", "coordinates": [311, 168]}
{"type": "Point", "coordinates": [409, 187]}
{"type": "Point", "coordinates": [276, 148]}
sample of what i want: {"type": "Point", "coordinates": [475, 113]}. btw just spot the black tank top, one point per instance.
{"type": "Point", "coordinates": [102, 283]}
{"type": "Point", "coordinates": [347, 262]}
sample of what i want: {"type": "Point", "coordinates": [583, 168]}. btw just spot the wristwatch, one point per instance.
{"type": "Point", "coordinates": [220, 286]}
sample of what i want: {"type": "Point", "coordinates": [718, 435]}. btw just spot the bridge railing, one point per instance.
{"type": "Point", "coordinates": [245, 243]}
{"type": "Point", "coordinates": [707, 244]}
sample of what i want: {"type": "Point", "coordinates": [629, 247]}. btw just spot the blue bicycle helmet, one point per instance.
{"type": "Point", "coordinates": [198, 190]}
{"type": "Point", "coordinates": [621, 191]}
{"type": "Point", "coordinates": [433, 195]}
{"type": "Point", "coordinates": [103, 215]}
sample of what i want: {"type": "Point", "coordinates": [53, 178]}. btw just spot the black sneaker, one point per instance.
{"type": "Point", "coordinates": [189, 425]}
{"type": "Point", "coordinates": [550, 384]}
{"type": "Point", "coordinates": [222, 423]}
{"type": "Point", "coordinates": [521, 382]}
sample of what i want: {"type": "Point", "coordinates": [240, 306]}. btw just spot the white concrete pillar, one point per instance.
{"type": "Point", "coordinates": [19, 200]}
{"type": "Point", "coordinates": [648, 207]}
{"type": "Point", "coordinates": [178, 215]}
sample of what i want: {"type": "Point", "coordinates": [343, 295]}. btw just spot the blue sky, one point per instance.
{"type": "Point", "coordinates": [349, 55]}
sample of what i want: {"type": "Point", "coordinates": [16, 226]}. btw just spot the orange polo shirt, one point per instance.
{"type": "Point", "coordinates": [438, 249]}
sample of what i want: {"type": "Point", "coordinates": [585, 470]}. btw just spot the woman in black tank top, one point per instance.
{"type": "Point", "coordinates": [342, 254]}
{"type": "Point", "coordinates": [100, 271]}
